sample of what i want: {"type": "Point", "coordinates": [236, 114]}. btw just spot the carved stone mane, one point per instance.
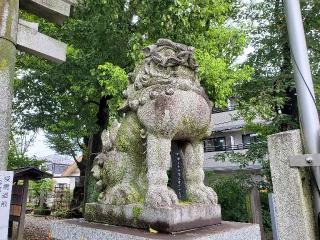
{"type": "Point", "coordinates": [167, 66]}
{"type": "Point", "coordinates": [175, 54]}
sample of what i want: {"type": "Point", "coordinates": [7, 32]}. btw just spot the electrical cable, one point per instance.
{"type": "Point", "coordinates": [315, 104]}
{"type": "Point", "coordinates": [9, 40]}
{"type": "Point", "coordinates": [305, 82]}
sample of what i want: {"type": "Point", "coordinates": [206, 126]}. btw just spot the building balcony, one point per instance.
{"type": "Point", "coordinates": [226, 148]}
{"type": "Point", "coordinates": [212, 163]}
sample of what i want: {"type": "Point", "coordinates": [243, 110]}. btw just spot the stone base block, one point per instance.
{"type": "Point", "coordinates": [170, 219]}
{"type": "Point", "coordinates": [80, 229]}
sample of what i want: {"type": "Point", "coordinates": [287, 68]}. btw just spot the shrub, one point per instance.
{"type": "Point", "coordinates": [232, 191]}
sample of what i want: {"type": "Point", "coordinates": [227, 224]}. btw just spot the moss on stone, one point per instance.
{"type": "Point", "coordinates": [134, 196]}
{"type": "Point", "coordinates": [112, 172]}
{"type": "Point", "coordinates": [136, 212]}
{"type": "Point", "coordinates": [128, 140]}
{"type": "Point", "coordinates": [184, 202]}
{"type": "Point", "coordinates": [11, 15]}
{"type": "Point", "coordinates": [92, 193]}
{"type": "Point", "coordinates": [125, 171]}
{"type": "Point", "coordinates": [3, 64]}
{"type": "Point", "coordinates": [7, 56]}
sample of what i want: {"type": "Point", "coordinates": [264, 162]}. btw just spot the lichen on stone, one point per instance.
{"type": "Point", "coordinates": [164, 102]}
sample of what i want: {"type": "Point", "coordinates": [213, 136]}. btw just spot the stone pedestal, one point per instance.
{"type": "Point", "coordinates": [292, 199]}
{"type": "Point", "coordinates": [80, 229]}
{"type": "Point", "coordinates": [171, 219]}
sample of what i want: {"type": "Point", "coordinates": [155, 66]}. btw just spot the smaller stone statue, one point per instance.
{"type": "Point", "coordinates": [165, 103]}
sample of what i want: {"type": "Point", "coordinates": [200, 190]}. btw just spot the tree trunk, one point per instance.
{"type": "Point", "coordinates": [95, 147]}
{"type": "Point", "coordinates": [77, 201]}
{"type": "Point", "coordinates": [78, 191]}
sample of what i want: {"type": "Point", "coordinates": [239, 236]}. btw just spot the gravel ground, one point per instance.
{"type": "Point", "coordinates": [37, 228]}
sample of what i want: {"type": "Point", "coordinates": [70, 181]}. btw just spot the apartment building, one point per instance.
{"type": "Point", "coordinates": [228, 135]}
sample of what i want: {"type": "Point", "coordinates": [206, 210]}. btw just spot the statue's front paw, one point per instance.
{"type": "Point", "coordinates": [202, 194]}
{"type": "Point", "coordinates": [161, 197]}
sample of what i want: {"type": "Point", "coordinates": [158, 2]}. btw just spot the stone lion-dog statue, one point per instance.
{"type": "Point", "coordinates": [164, 103]}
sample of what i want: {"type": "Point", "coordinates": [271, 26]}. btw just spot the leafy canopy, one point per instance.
{"type": "Point", "coordinates": [105, 38]}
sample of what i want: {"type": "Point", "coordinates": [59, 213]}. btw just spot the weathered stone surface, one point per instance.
{"type": "Point", "coordinates": [291, 186]}
{"type": "Point", "coordinates": [7, 61]}
{"type": "Point", "coordinates": [72, 2]}
{"type": "Point", "coordinates": [9, 11]}
{"type": "Point", "coordinates": [169, 219]}
{"type": "Point", "coordinates": [31, 41]}
{"type": "Point", "coordinates": [8, 26]}
{"type": "Point", "coordinates": [33, 25]}
{"type": "Point", "coordinates": [165, 103]}
{"type": "Point", "coordinates": [56, 11]}
{"type": "Point", "coordinates": [78, 229]}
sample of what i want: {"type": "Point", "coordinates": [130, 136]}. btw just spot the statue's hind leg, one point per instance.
{"type": "Point", "coordinates": [192, 157]}
{"type": "Point", "coordinates": [158, 161]}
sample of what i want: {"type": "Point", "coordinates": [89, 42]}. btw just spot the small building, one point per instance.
{"type": "Point", "coordinates": [56, 165]}
{"type": "Point", "coordinates": [71, 174]}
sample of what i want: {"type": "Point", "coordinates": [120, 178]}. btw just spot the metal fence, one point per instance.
{"type": "Point", "coordinates": [225, 148]}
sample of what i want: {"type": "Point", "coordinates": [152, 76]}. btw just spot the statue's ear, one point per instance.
{"type": "Point", "coordinates": [147, 51]}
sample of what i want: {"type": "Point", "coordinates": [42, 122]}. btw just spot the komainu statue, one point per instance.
{"type": "Point", "coordinates": [164, 103]}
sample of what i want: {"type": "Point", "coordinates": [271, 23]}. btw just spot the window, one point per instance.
{"type": "Point", "coordinates": [216, 144]}
{"type": "Point", "coordinates": [247, 139]}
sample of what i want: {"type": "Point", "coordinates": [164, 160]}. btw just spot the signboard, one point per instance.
{"type": "Point", "coordinates": [6, 179]}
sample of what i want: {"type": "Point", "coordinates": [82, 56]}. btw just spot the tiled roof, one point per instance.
{"type": "Point", "coordinates": [58, 159]}
{"type": "Point", "coordinates": [224, 121]}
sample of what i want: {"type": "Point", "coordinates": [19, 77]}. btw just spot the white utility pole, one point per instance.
{"type": "Point", "coordinates": [309, 118]}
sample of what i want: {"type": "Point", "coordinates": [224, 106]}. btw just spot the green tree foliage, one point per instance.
{"type": "Point", "coordinates": [76, 99]}
{"type": "Point", "coordinates": [232, 194]}
{"type": "Point", "coordinates": [105, 36]}
{"type": "Point", "coordinates": [270, 94]}
{"type": "Point", "coordinates": [40, 189]}
{"type": "Point", "coordinates": [18, 145]}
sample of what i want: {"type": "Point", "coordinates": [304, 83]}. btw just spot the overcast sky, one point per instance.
{"type": "Point", "coordinates": [39, 148]}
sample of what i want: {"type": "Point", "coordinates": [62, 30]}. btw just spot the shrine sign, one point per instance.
{"type": "Point", "coordinates": [6, 179]}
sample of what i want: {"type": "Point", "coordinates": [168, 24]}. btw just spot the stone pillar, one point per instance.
{"type": "Point", "coordinates": [255, 203]}
{"type": "Point", "coordinates": [292, 196]}
{"type": "Point", "coordinates": [9, 10]}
